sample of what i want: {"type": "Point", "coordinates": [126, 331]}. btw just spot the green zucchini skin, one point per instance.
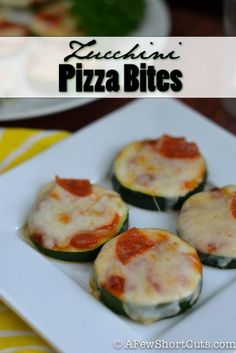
{"type": "Point", "coordinates": [111, 302]}
{"type": "Point", "coordinates": [116, 305]}
{"type": "Point", "coordinates": [80, 256]}
{"type": "Point", "coordinates": [77, 256]}
{"type": "Point", "coordinates": [148, 202]}
{"type": "Point", "coordinates": [220, 262]}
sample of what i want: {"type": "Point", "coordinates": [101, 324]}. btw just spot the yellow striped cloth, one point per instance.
{"type": "Point", "coordinates": [16, 146]}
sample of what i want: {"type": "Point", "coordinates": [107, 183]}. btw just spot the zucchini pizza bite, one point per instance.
{"type": "Point", "coordinates": [73, 218]}
{"type": "Point", "coordinates": [207, 221]}
{"type": "Point", "coordinates": [162, 172]}
{"type": "Point", "coordinates": [55, 19]}
{"type": "Point", "coordinates": [147, 275]}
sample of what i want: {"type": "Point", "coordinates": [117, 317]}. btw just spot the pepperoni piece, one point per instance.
{"type": "Point", "coordinates": [233, 205]}
{"type": "Point", "coordinates": [37, 238]}
{"type": "Point", "coordinates": [88, 240]}
{"type": "Point", "coordinates": [112, 226]}
{"type": "Point", "coordinates": [174, 147]}
{"type": "Point", "coordinates": [84, 241]}
{"type": "Point", "coordinates": [78, 187]}
{"type": "Point", "coordinates": [177, 147]}
{"type": "Point", "coordinates": [115, 285]}
{"type": "Point", "coordinates": [132, 243]}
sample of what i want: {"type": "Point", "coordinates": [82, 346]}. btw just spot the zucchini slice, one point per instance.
{"type": "Point", "coordinates": [207, 221]}
{"type": "Point", "coordinates": [147, 275]}
{"type": "Point", "coordinates": [165, 171]}
{"type": "Point", "coordinates": [72, 219]}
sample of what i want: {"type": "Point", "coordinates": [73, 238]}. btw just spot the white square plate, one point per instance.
{"type": "Point", "coordinates": [53, 296]}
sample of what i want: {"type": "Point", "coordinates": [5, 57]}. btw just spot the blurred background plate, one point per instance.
{"type": "Point", "coordinates": [156, 22]}
{"type": "Point", "coordinates": [27, 108]}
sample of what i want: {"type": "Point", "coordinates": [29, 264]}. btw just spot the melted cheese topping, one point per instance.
{"type": "Point", "coordinates": [167, 272]}
{"type": "Point", "coordinates": [59, 215]}
{"type": "Point", "coordinates": [207, 223]}
{"type": "Point", "coordinates": [140, 168]}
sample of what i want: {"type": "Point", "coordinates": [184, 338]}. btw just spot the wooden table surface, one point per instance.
{"type": "Point", "coordinates": [189, 18]}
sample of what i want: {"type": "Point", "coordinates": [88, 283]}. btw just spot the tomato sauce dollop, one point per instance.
{"type": "Point", "coordinates": [131, 244]}
{"type": "Point", "coordinates": [77, 187]}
